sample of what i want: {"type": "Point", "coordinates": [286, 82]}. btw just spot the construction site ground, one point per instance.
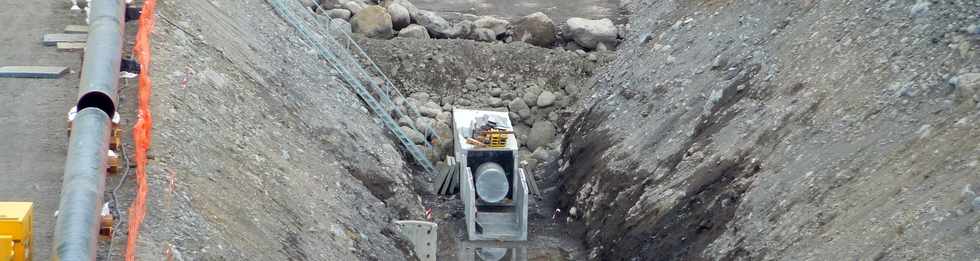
{"type": "Point", "coordinates": [33, 113]}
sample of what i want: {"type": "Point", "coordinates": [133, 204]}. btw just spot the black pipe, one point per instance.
{"type": "Point", "coordinates": [103, 54]}
{"type": "Point", "coordinates": [77, 227]}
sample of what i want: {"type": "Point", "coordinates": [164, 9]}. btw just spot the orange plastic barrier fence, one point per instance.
{"type": "Point", "coordinates": [143, 127]}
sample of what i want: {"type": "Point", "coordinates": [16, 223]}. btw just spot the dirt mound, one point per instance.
{"type": "Point", "coordinates": [259, 152]}
{"type": "Point", "coordinates": [802, 130]}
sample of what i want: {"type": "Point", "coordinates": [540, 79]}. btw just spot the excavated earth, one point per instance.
{"type": "Point", "coordinates": [719, 130]}
{"type": "Point", "coordinates": [782, 130]}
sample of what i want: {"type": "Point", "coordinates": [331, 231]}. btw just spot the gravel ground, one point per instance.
{"type": "Point", "coordinates": [804, 130]}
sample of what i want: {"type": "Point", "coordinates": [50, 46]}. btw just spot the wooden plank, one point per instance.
{"type": "Point", "coordinates": [33, 71]}
{"type": "Point", "coordinates": [54, 39]}
{"type": "Point", "coordinates": [71, 46]}
{"type": "Point", "coordinates": [76, 29]}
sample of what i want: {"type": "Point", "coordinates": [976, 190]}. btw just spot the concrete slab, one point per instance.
{"type": "Point", "coordinates": [54, 39]}
{"type": "Point", "coordinates": [70, 46]}
{"type": "Point", "coordinates": [76, 29]}
{"type": "Point", "coordinates": [33, 71]}
{"type": "Point", "coordinates": [423, 235]}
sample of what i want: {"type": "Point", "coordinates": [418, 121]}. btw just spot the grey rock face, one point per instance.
{"type": "Point", "coordinates": [374, 22]}
{"type": "Point", "coordinates": [536, 29]}
{"type": "Point", "coordinates": [590, 33]}
{"type": "Point", "coordinates": [414, 31]}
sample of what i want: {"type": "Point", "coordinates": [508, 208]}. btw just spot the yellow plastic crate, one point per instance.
{"type": "Point", "coordinates": [15, 222]}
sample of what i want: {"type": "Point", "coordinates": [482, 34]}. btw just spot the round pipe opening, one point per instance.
{"type": "Point", "coordinates": [98, 100]}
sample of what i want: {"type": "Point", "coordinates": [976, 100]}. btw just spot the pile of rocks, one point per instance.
{"type": "Point", "coordinates": [534, 112]}
{"type": "Point", "coordinates": [387, 19]}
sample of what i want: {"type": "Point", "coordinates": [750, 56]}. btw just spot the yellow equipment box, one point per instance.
{"type": "Point", "coordinates": [6, 248]}
{"type": "Point", "coordinates": [15, 224]}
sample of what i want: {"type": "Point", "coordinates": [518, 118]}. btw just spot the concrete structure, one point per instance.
{"type": "Point", "coordinates": [492, 187]}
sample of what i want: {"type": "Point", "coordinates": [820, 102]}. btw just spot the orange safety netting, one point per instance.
{"type": "Point", "coordinates": [144, 124]}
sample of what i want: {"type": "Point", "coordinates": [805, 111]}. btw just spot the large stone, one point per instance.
{"type": "Point", "coordinates": [968, 86]}
{"type": "Point", "coordinates": [536, 29]}
{"type": "Point", "coordinates": [589, 33]}
{"type": "Point", "coordinates": [437, 26]}
{"type": "Point", "coordinates": [546, 99]}
{"type": "Point", "coordinates": [542, 133]}
{"type": "Point", "coordinates": [339, 13]}
{"type": "Point", "coordinates": [430, 109]}
{"type": "Point", "coordinates": [413, 135]}
{"type": "Point", "coordinates": [353, 6]}
{"type": "Point", "coordinates": [329, 4]}
{"type": "Point", "coordinates": [414, 31]}
{"type": "Point", "coordinates": [485, 35]}
{"type": "Point", "coordinates": [373, 21]}
{"type": "Point", "coordinates": [340, 25]}
{"type": "Point", "coordinates": [400, 17]}
{"type": "Point", "coordinates": [412, 10]}
{"type": "Point", "coordinates": [463, 29]}
{"type": "Point", "coordinates": [498, 26]}
{"type": "Point", "coordinates": [520, 107]}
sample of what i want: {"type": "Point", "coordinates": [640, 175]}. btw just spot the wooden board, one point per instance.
{"type": "Point", "coordinates": [71, 46]}
{"type": "Point", "coordinates": [54, 39]}
{"type": "Point", "coordinates": [33, 71]}
{"type": "Point", "coordinates": [76, 29]}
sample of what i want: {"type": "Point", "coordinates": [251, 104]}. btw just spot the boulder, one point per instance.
{"type": "Point", "coordinates": [412, 10]}
{"type": "Point", "coordinates": [542, 133]}
{"type": "Point", "coordinates": [414, 31]}
{"type": "Point", "coordinates": [485, 35]}
{"type": "Point", "coordinates": [340, 25]}
{"type": "Point", "coordinates": [353, 6]}
{"type": "Point", "coordinates": [339, 13]}
{"type": "Point", "coordinates": [430, 109]}
{"type": "Point", "coordinates": [437, 26]}
{"type": "Point", "coordinates": [405, 121]}
{"type": "Point", "coordinates": [520, 107]}
{"type": "Point", "coordinates": [329, 4]}
{"type": "Point", "coordinates": [572, 46]}
{"type": "Point", "coordinates": [372, 21]}
{"type": "Point", "coordinates": [413, 135]}
{"type": "Point", "coordinates": [425, 123]}
{"type": "Point", "coordinates": [463, 29]}
{"type": "Point", "coordinates": [546, 99]}
{"type": "Point", "coordinates": [536, 29]}
{"type": "Point", "coordinates": [400, 17]}
{"type": "Point", "coordinates": [589, 33]}
{"type": "Point", "coordinates": [498, 26]}
{"type": "Point", "coordinates": [968, 86]}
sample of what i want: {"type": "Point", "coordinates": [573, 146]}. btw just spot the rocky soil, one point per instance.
{"type": "Point", "coordinates": [782, 130]}
{"type": "Point", "coordinates": [259, 153]}
{"type": "Point", "coordinates": [701, 130]}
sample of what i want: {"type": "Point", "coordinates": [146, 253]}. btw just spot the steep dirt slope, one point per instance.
{"type": "Point", "coordinates": [259, 153]}
{"type": "Point", "coordinates": [789, 130]}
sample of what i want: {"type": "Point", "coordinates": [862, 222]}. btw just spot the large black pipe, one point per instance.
{"type": "Point", "coordinates": [77, 225]}
{"type": "Point", "coordinates": [103, 54]}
